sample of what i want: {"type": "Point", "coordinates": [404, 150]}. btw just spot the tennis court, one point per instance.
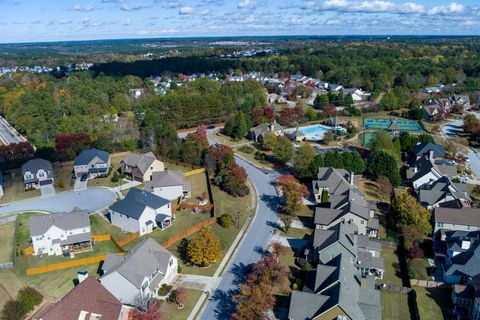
{"type": "Point", "coordinates": [383, 124]}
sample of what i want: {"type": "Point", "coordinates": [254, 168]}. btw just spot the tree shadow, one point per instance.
{"type": "Point", "coordinates": [226, 303]}
{"type": "Point", "coordinates": [272, 202]}
{"type": "Point", "coordinates": [240, 272]}
{"type": "Point", "coordinates": [260, 250]}
{"type": "Point", "coordinates": [182, 250]}
{"type": "Point", "coordinates": [274, 225]}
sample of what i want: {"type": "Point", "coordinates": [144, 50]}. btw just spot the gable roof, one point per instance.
{"type": "Point", "coordinates": [167, 178]}
{"type": "Point", "coordinates": [139, 262]}
{"type": "Point", "coordinates": [36, 164]}
{"type": "Point", "coordinates": [140, 161]}
{"type": "Point", "coordinates": [394, 125]}
{"type": "Point", "coordinates": [336, 180]}
{"type": "Point", "coordinates": [463, 216]}
{"type": "Point", "coordinates": [430, 194]}
{"type": "Point", "coordinates": [423, 166]}
{"type": "Point", "coordinates": [136, 201]}
{"type": "Point", "coordinates": [424, 148]}
{"type": "Point", "coordinates": [467, 262]}
{"type": "Point", "coordinates": [88, 297]}
{"type": "Point", "coordinates": [88, 155]}
{"type": "Point", "coordinates": [75, 219]}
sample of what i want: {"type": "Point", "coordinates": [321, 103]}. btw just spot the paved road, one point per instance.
{"type": "Point", "coordinates": [8, 134]}
{"type": "Point", "coordinates": [221, 304]}
{"type": "Point", "coordinates": [91, 200]}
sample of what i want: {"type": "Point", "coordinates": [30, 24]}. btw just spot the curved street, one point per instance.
{"type": "Point", "coordinates": [90, 199]}
{"type": "Point", "coordinates": [221, 304]}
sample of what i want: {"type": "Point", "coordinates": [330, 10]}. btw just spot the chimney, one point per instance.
{"type": "Point", "coordinates": [82, 275]}
{"type": "Point", "coordinates": [430, 154]}
{"type": "Point", "coordinates": [352, 178]}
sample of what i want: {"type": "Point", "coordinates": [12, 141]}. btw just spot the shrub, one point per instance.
{"type": "Point", "coordinates": [164, 289]}
{"type": "Point", "coordinates": [294, 286]}
{"type": "Point", "coordinates": [225, 220]}
{"type": "Point", "coordinates": [61, 182]}
{"type": "Point", "coordinates": [307, 266]}
{"type": "Point", "coordinates": [179, 269]}
{"type": "Point", "coordinates": [417, 252]}
{"type": "Point", "coordinates": [246, 149]}
{"type": "Point", "coordinates": [28, 298]}
{"type": "Point", "coordinates": [115, 177]}
{"type": "Point", "coordinates": [412, 274]}
{"type": "Point", "coordinates": [12, 310]}
{"type": "Point", "coordinates": [260, 156]}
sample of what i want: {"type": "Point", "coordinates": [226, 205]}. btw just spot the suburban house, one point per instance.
{"type": "Point", "coordinates": [460, 260]}
{"type": "Point", "coordinates": [357, 94]}
{"type": "Point", "coordinates": [36, 173]}
{"type": "Point", "coordinates": [344, 202]}
{"type": "Point", "coordinates": [462, 100]}
{"type": "Point", "coordinates": [89, 300]}
{"type": "Point", "coordinates": [333, 87]}
{"type": "Point", "coordinates": [448, 219]}
{"type": "Point", "coordinates": [443, 193]}
{"type": "Point", "coordinates": [432, 150]}
{"type": "Point", "coordinates": [344, 239]}
{"type": "Point", "coordinates": [434, 112]}
{"type": "Point", "coordinates": [257, 133]}
{"type": "Point", "coordinates": [140, 167]}
{"type": "Point", "coordinates": [170, 185]}
{"type": "Point", "coordinates": [465, 300]}
{"type": "Point", "coordinates": [141, 211]}
{"type": "Point", "coordinates": [1, 184]}
{"type": "Point", "coordinates": [336, 290]}
{"type": "Point", "coordinates": [135, 277]}
{"type": "Point", "coordinates": [91, 163]}
{"type": "Point", "coordinates": [61, 233]}
{"type": "Point", "coordinates": [423, 171]}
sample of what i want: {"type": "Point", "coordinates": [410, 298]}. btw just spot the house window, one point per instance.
{"type": "Point", "coordinates": [439, 224]}
{"type": "Point", "coordinates": [145, 285]}
{"type": "Point", "coordinates": [362, 222]}
{"type": "Point", "coordinates": [171, 262]}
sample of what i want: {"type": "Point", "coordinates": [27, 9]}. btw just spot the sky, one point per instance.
{"type": "Point", "coordinates": [56, 20]}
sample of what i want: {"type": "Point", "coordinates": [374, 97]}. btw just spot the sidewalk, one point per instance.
{"type": "Point", "coordinates": [128, 185]}
{"type": "Point", "coordinates": [215, 280]}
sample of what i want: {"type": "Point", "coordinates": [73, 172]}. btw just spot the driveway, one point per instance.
{"type": "Point", "coordinates": [91, 200]}
{"type": "Point", "coordinates": [221, 304]}
{"type": "Point", "coordinates": [47, 190]}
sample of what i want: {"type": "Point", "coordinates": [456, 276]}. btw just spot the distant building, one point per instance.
{"type": "Point", "coordinates": [37, 173]}
{"type": "Point", "coordinates": [257, 133]}
{"type": "Point", "coordinates": [140, 167]}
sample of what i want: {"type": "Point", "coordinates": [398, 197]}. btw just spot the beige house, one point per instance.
{"type": "Point", "coordinates": [140, 167]}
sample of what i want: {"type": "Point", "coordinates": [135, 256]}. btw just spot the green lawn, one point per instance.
{"type": "Point", "coordinates": [7, 232]}
{"type": "Point", "coordinates": [99, 225]}
{"type": "Point", "coordinates": [14, 190]}
{"type": "Point", "coordinates": [392, 268]}
{"type": "Point", "coordinates": [433, 303]}
{"type": "Point", "coordinates": [107, 181]}
{"type": "Point", "coordinates": [176, 167]}
{"type": "Point", "coordinates": [23, 229]}
{"type": "Point", "coordinates": [297, 233]}
{"type": "Point", "coordinates": [63, 177]}
{"type": "Point", "coordinates": [421, 267]}
{"type": "Point", "coordinates": [228, 141]}
{"type": "Point", "coordinates": [199, 187]}
{"type": "Point", "coordinates": [171, 312]}
{"type": "Point", "coordinates": [395, 306]}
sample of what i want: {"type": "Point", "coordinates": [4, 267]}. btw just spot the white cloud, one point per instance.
{"type": "Point", "coordinates": [132, 7]}
{"type": "Point", "coordinates": [363, 6]}
{"type": "Point", "coordinates": [127, 23]}
{"type": "Point", "coordinates": [247, 4]}
{"type": "Point", "coordinates": [83, 8]}
{"type": "Point", "coordinates": [169, 4]}
{"type": "Point", "coordinates": [452, 8]}
{"type": "Point", "coordinates": [185, 10]}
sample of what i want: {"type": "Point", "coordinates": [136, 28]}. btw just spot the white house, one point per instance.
{"type": "Point", "coordinates": [91, 163]}
{"type": "Point", "coordinates": [140, 167]}
{"type": "Point", "coordinates": [170, 185]}
{"type": "Point", "coordinates": [141, 211]}
{"type": "Point", "coordinates": [59, 233]}
{"type": "Point", "coordinates": [423, 171]}
{"type": "Point", "coordinates": [36, 173]}
{"type": "Point", "coordinates": [136, 277]}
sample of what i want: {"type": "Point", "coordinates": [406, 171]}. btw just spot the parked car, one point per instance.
{"type": "Point", "coordinates": [84, 177]}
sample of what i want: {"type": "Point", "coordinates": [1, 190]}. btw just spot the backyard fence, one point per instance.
{"type": "Point", "coordinates": [7, 220]}
{"type": "Point", "coordinates": [426, 283]}
{"type": "Point", "coordinates": [64, 265]}
{"type": "Point", "coordinates": [28, 251]}
{"type": "Point", "coordinates": [126, 240]}
{"type": "Point", "coordinates": [194, 172]}
{"type": "Point", "coordinates": [180, 163]}
{"type": "Point", "coordinates": [185, 233]}
{"type": "Point", "coordinates": [101, 237]}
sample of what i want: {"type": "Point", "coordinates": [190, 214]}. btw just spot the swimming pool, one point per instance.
{"type": "Point", "coordinates": [313, 132]}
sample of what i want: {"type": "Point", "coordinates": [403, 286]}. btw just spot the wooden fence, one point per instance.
{"type": "Point", "coordinates": [194, 172]}
{"type": "Point", "coordinates": [126, 240]}
{"type": "Point", "coordinates": [185, 233]}
{"type": "Point", "coordinates": [28, 251]}
{"type": "Point", "coordinates": [426, 283]}
{"type": "Point", "coordinates": [101, 237]}
{"type": "Point", "coordinates": [64, 265]}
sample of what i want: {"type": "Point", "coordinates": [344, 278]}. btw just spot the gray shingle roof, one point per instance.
{"type": "Point", "coordinates": [424, 148]}
{"type": "Point", "coordinates": [139, 262]}
{"type": "Point", "coordinates": [66, 221]}
{"type": "Point", "coordinates": [135, 202]}
{"type": "Point", "coordinates": [140, 161]}
{"type": "Point", "coordinates": [88, 155]}
{"type": "Point", "coordinates": [463, 216]}
{"type": "Point", "coordinates": [440, 189]}
{"type": "Point", "coordinates": [167, 178]}
{"type": "Point", "coordinates": [35, 164]}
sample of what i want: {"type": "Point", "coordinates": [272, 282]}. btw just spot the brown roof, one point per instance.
{"type": "Point", "coordinates": [464, 216]}
{"type": "Point", "coordinates": [89, 296]}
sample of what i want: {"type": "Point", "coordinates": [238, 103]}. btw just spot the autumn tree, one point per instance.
{"type": "Point", "coordinates": [412, 236]}
{"type": "Point", "coordinates": [68, 145]}
{"type": "Point", "coordinates": [204, 249]}
{"type": "Point", "coordinates": [283, 150]}
{"type": "Point", "coordinates": [407, 211]}
{"type": "Point", "coordinates": [233, 180]}
{"type": "Point", "coordinates": [303, 159]}
{"type": "Point", "coordinates": [269, 140]}
{"type": "Point", "coordinates": [152, 312]}
{"type": "Point", "coordinates": [180, 295]}
{"type": "Point", "coordinates": [15, 154]}
{"type": "Point", "coordinates": [293, 191]}
{"type": "Point", "coordinates": [199, 137]}
{"type": "Point", "coordinates": [278, 249]}
{"type": "Point", "coordinates": [287, 220]}
{"type": "Point", "coordinates": [329, 110]}
{"type": "Point", "coordinates": [385, 188]}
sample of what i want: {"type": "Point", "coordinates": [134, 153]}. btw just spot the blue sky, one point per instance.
{"type": "Point", "coordinates": [25, 21]}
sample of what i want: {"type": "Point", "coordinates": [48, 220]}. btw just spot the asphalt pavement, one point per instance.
{"type": "Point", "coordinates": [8, 134]}
{"type": "Point", "coordinates": [91, 200]}
{"type": "Point", "coordinates": [221, 305]}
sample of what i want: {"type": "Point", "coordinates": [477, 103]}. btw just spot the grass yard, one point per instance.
{"type": "Point", "coordinates": [199, 187]}
{"type": "Point", "coordinates": [250, 156]}
{"type": "Point", "coordinates": [23, 229]}
{"type": "Point", "coordinates": [297, 233]}
{"type": "Point", "coordinates": [171, 312]}
{"type": "Point", "coordinates": [14, 189]}
{"type": "Point", "coordinates": [107, 181]}
{"type": "Point", "coordinates": [392, 267]}
{"type": "Point", "coordinates": [63, 177]}
{"type": "Point", "coordinates": [176, 167]}
{"type": "Point", "coordinates": [99, 225]}
{"type": "Point", "coordinates": [371, 190]}
{"type": "Point", "coordinates": [395, 306]}
{"type": "Point", "coordinates": [228, 141]}
{"type": "Point", "coordinates": [421, 267]}
{"type": "Point", "coordinates": [432, 303]}
{"type": "Point", "coordinates": [7, 233]}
